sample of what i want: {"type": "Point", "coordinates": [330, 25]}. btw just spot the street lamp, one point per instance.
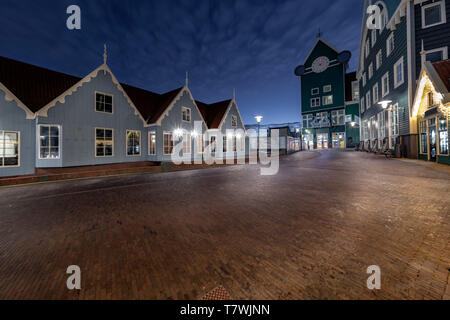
{"type": "Point", "coordinates": [385, 103]}
{"type": "Point", "coordinates": [258, 120]}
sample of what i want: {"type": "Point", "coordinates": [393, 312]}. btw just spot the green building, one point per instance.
{"type": "Point", "coordinates": [330, 99]}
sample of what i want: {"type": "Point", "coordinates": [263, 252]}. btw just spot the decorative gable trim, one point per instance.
{"type": "Point", "coordinates": [228, 111]}
{"type": "Point", "coordinates": [9, 96]}
{"type": "Point", "coordinates": [314, 47]}
{"type": "Point", "coordinates": [174, 101]}
{"type": "Point", "coordinates": [43, 112]}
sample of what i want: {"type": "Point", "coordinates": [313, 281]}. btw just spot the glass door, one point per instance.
{"type": "Point", "coordinates": [322, 141]}
{"type": "Point", "coordinates": [433, 139]}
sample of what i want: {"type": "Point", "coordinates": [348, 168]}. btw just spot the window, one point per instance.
{"type": "Point", "coordinates": [370, 71]}
{"type": "Point", "coordinates": [49, 141]}
{"type": "Point", "coordinates": [234, 121]}
{"type": "Point", "coordinates": [385, 85]}
{"type": "Point", "coordinates": [362, 106]}
{"type": "Point", "coordinates": [133, 143]}
{"type": "Point", "coordinates": [187, 143]}
{"type": "Point", "coordinates": [200, 143]}
{"type": "Point", "coordinates": [366, 130]}
{"type": "Point", "coordinates": [327, 100]}
{"type": "Point", "coordinates": [234, 144]}
{"type": "Point", "coordinates": [390, 45]}
{"type": "Point", "coordinates": [394, 127]}
{"type": "Point", "coordinates": [384, 20]}
{"type": "Point", "coordinates": [338, 117]}
{"type": "Point", "coordinates": [152, 143]}
{"type": "Point", "coordinates": [379, 60]}
{"type": "Point", "coordinates": [168, 143]}
{"type": "Point", "coordinates": [315, 102]}
{"type": "Point", "coordinates": [225, 143]}
{"type": "Point", "coordinates": [373, 128]}
{"type": "Point", "coordinates": [213, 144]}
{"type": "Point", "coordinates": [381, 126]}
{"type": "Point", "coordinates": [9, 148]}
{"type": "Point", "coordinates": [364, 79]}
{"type": "Point", "coordinates": [186, 114]}
{"type": "Point", "coordinates": [103, 103]}
{"type": "Point", "coordinates": [375, 93]}
{"type": "Point", "coordinates": [348, 118]}
{"type": "Point", "coordinates": [430, 99]}
{"type": "Point", "coordinates": [104, 142]}
{"type": "Point", "coordinates": [314, 91]}
{"type": "Point", "coordinates": [327, 88]}
{"type": "Point", "coordinates": [433, 14]}
{"type": "Point", "coordinates": [374, 37]}
{"type": "Point", "coordinates": [423, 137]}
{"type": "Point", "coordinates": [368, 100]}
{"type": "Point", "coordinates": [367, 48]}
{"type": "Point", "coordinates": [434, 55]}
{"type": "Point", "coordinates": [399, 78]}
{"type": "Point", "coordinates": [443, 136]}
{"type": "Point", "coordinates": [307, 121]}
{"type": "Point", "coordinates": [355, 90]}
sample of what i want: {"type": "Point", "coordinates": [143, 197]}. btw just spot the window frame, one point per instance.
{"type": "Point", "coordinates": [370, 71]}
{"type": "Point", "coordinates": [338, 114]}
{"type": "Point", "coordinates": [368, 100]}
{"type": "Point", "coordinates": [105, 94]}
{"type": "Point", "coordinates": [367, 48]}
{"type": "Point", "coordinates": [355, 84]}
{"type": "Point", "coordinates": [313, 90]}
{"type": "Point", "coordinates": [315, 104]}
{"type": "Point", "coordinates": [95, 142]}
{"type": "Point", "coordinates": [385, 93]}
{"type": "Point", "coordinates": [364, 79]}
{"type": "Point", "coordinates": [150, 134]}
{"type": "Point", "coordinates": [327, 88]}
{"type": "Point", "coordinates": [444, 53]}
{"type": "Point", "coordinates": [438, 127]}
{"type": "Point", "coordinates": [188, 143]}
{"type": "Point", "coordinates": [59, 141]}
{"type": "Point", "coordinates": [183, 109]}
{"type": "Point", "coordinates": [373, 37]}
{"type": "Point", "coordinates": [235, 118]}
{"type": "Point", "coordinates": [362, 105]}
{"type": "Point", "coordinates": [443, 14]}
{"type": "Point", "coordinates": [390, 49]}
{"type": "Point", "coordinates": [164, 142]}
{"type": "Point", "coordinates": [2, 163]}
{"type": "Point", "coordinates": [325, 97]}
{"type": "Point", "coordinates": [379, 59]}
{"type": "Point", "coordinates": [423, 125]}
{"type": "Point", "coordinates": [396, 82]}
{"type": "Point", "coordinates": [376, 97]}
{"type": "Point", "coordinates": [126, 143]}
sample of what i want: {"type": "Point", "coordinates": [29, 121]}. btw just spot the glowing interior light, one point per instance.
{"type": "Point", "coordinates": [385, 103]}
{"type": "Point", "coordinates": [259, 119]}
{"type": "Point", "coordinates": [178, 132]}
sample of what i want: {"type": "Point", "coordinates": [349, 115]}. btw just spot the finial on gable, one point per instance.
{"type": "Point", "coordinates": [234, 94]}
{"type": "Point", "coordinates": [319, 35]}
{"type": "Point", "coordinates": [187, 78]}
{"type": "Point", "coordinates": [105, 55]}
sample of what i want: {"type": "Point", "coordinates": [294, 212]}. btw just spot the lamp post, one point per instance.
{"type": "Point", "coordinates": [258, 120]}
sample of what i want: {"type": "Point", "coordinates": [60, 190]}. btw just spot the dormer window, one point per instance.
{"type": "Point", "coordinates": [186, 114]}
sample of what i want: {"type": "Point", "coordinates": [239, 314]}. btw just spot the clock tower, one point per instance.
{"type": "Point", "coordinates": [328, 99]}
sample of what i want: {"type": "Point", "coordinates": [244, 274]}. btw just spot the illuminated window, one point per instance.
{"type": "Point", "coordinates": [133, 143]}
{"type": "Point", "coordinates": [152, 143]}
{"type": "Point", "coordinates": [423, 137]}
{"type": "Point", "coordinates": [327, 100]}
{"type": "Point", "coordinates": [9, 148]}
{"type": "Point", "coordinates": [104, 142]}
{"type": "Point", "coordinates": [49, 141]}
{"type": "Point", "coordinates": [443, 136]}
{"type": "Point", "coordinates": [168, 143]}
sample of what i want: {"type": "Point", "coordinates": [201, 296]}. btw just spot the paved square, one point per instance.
{"type": "Point", "coordinates": [309, 232]}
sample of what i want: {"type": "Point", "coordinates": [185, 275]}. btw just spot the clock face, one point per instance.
{"type": "Point", "coordinates": [320, 64]}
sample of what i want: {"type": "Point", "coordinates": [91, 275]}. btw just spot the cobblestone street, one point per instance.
{"type": "Point", "coordinates": [309, 232]}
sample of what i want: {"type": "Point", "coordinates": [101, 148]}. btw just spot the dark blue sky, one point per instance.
{"type": "Point", "coordinates": [250, 45]}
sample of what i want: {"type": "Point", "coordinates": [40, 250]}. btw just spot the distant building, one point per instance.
{"type": "Point", "coordinates": [330, 99]}
{"type": "Point", "coordinates": [289, 133]}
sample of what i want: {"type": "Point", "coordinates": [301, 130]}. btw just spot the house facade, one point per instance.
{"type": "Point", "coordinates": [53, 120]}
{"type": "Point", "coordinates": [390, 62]}
{"type": "Point", "coordinates": [329, 99]}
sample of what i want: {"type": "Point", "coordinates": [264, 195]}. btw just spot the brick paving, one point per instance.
{"type": "Point", "coordinates": [309, 232]}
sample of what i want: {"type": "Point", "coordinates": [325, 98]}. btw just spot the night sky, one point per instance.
{"type": "Point", "coordinates": [250, 45]}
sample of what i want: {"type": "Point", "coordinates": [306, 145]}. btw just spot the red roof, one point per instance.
{"type": "Point", "coordinates": [213, 113]}
{"type": "Point", "coordinates": [443, 70]}
{"type": "Point", "coordinates": [36, 87]}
